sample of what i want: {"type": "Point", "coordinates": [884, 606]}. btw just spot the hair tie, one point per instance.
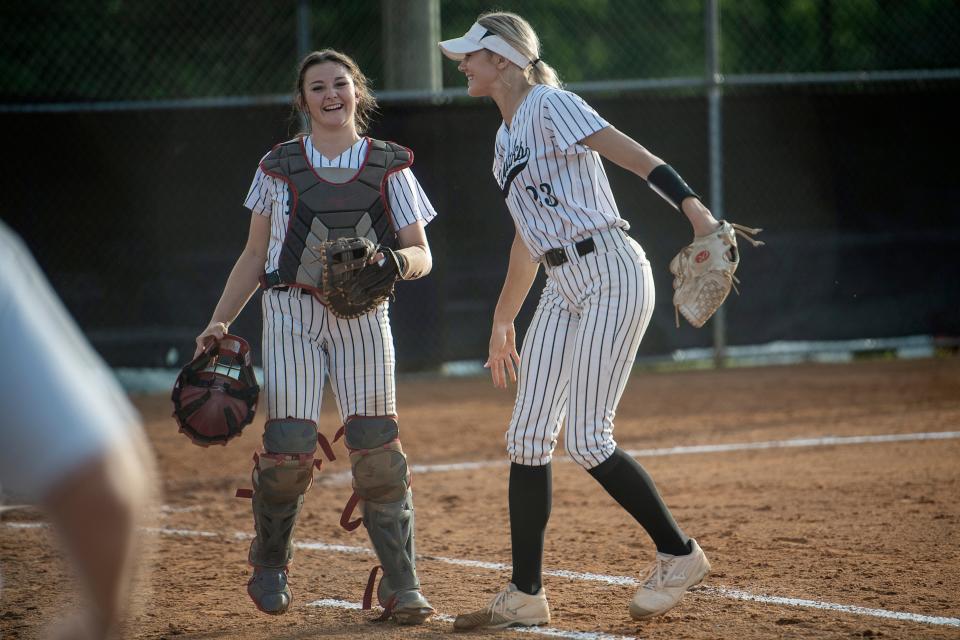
{"type": "Point", "coordinates": [534, 62]}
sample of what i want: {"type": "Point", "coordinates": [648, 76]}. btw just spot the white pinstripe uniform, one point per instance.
{"type": "Point", "coordinates": [303, 342]}
{"type": "Point", "coordinates": [581, 344]}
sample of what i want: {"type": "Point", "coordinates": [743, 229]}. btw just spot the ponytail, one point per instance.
{"type": "Point", "coordinates": [520, 35]}
{"type": "Point", "coordinates": [542, 73]}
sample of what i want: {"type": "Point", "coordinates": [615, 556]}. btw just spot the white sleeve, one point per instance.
{"type": "Point", "coordinates": [262, 193]}
{"type": "Point", "coordinates": [61, 406]}
{"type": "Point", "coordinates": [568, 119]}
{"type": "Point", "coordinates": [407, 200]}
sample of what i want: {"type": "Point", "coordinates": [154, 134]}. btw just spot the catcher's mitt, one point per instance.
{"type": "Point", "coordinates": [215, 395]}
{"type": "Point", "coordinates": [351, 285]}
{"type": "Point", "coordinates": [703, 272]}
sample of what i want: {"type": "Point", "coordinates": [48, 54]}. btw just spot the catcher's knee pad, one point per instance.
{"type": "Point", "coordinates": [380, 472]}
{"type": "Point", "coordinates": [284, 468]}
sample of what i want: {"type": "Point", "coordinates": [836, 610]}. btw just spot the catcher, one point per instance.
{"type": "Point", "coordinates": [337, 219]}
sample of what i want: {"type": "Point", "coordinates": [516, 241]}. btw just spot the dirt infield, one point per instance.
{"type": "Point", "coordinates": [832, 521]}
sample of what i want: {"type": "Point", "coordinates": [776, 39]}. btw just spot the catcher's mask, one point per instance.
{"type": "Point", "coordinates": [215, 395]}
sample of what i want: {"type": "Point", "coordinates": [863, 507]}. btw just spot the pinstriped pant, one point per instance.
{"type": "Point", "coordinates": [304, 344]}
{"type": "Point", "coordinates": [578, 352]}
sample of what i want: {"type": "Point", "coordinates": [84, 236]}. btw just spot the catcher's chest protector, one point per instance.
{"type": "Point", "coordinates": [323, 210]}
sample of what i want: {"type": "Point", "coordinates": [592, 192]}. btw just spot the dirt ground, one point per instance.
{"type": "Point", "coordinates": [871, 525]}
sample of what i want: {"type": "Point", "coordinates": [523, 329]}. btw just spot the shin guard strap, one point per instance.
{"type": "Point", "coordinates": [368, 592]}
{"type": "Point", "coordinates": [368, 597]}
{"type": "Point", "coordinates": [325, 446]}
{"type": "Point", "coordinates": [348, 510]}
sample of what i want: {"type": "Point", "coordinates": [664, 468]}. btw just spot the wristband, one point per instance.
{"type": "Point", "coordinates": [670, 186]}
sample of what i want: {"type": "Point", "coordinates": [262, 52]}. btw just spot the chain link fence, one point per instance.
{"type": "Point", "coordinates": [82, 51]}
{"type": "Point", "coordinates": [804, 36]}
{"type": "Point", "coordinates": [138, 126]}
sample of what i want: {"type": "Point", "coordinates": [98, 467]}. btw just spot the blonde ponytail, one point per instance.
{"type": "Point", "coordinates": [520, 35]}
{"type": "Point", "coordinates": [542, 73]}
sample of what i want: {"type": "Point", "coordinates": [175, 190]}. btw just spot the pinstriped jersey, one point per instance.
{"type": "Point", "coordinates": [269, 196]}
{"type": "Point", "coordinates": [556, 188]}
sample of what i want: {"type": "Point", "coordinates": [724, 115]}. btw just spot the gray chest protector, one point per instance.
{"type": "Point", "coordinates": [323, 208]}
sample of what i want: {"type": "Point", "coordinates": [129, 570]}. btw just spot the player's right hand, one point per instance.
{"type": "Point", "coordinates": [213, 333]}
{"type": "Point", "coordinates": [503, 359]}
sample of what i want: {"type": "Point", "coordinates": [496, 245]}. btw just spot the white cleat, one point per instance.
{"type": "Point", "coordinates": [667, 580]}
{"type": "Point", "coordinates": [509, 608]}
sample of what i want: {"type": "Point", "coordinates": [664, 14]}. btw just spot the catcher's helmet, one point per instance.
{"type": "Point", "coordinates": [215, 395]}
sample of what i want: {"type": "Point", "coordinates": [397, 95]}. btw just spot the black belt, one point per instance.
{"type": "Point", "coordinates": [556, 257]}
{"type": "Point", "coordinates": [272, 281]}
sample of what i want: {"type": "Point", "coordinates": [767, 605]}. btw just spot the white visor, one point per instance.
{"type": "Point", "coordinates": [477, 38]}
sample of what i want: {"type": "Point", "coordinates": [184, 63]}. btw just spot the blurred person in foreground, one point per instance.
{"type": "Point", "coordinates": [70, 442]}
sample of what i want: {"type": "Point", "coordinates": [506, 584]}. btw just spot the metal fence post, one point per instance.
{"type": "Point", "coordinates": [411, 30]}
{"type": "Point", "coordinates": [303, 29]}
{"type": "Point", "coordinates": [715, 128]}
{"type": "Point", "coordinates": [303, 44]}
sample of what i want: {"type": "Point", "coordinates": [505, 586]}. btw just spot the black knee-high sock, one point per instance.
{"type": "Point", "coordinates": [530, 496]}
{"type": "Point", "coordinates": [627, 482]}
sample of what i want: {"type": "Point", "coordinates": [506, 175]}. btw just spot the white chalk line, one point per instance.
{"type": "Point", "coordinates": [440, 617]}
{"type": "Point", "coordinates": [13, 507]}
{"type": "Point", "coordinates": [164, 510]}
{"type": "Point", "coordinates": [726, 592]}
{"type": "Point", "coordinates": [181, 532]}
{"type": "Point", "coordinates": [825, 441]}
{"type": "Point", "coordinates": [343, 604]}
{"type": "Point", "coordinates": [737, 594]}
{"type": "Point", "coordinates": [626, 580]}
{"type": "Point", "coordinates": [344, 477]}
{"type": "Point", "coordinates": [167, 509]}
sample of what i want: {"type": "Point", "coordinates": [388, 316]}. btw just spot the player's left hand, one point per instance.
{"type": "Point", "coordinates": [703, 271]}
{"type": "Point", "coordinates": [503, 359]}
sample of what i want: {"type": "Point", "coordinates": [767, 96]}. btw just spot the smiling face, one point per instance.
{"type": "Point", "coordinates": [481, 72]}
{"type": "Point", "coordinates": [329, 96]}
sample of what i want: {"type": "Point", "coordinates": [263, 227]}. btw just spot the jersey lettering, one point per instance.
{"type": "Point", "coordinates": [513, 164]}
{"type": "Point", "coordinates": [555, 187]}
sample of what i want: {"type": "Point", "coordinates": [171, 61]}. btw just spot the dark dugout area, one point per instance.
{"type": "Point", "coordinates": [137, 217]}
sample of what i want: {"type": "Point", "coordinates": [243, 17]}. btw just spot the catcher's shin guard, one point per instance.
{"type": "Point", "coordinates": [381, 480]}
{"type": "Point", "coordinates": [281, 476]}
{"type": "Point", "coordinates": [391, 530]}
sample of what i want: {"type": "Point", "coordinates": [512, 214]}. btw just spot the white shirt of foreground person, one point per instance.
{"type": "Point", "coordinates": [60, 406]}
